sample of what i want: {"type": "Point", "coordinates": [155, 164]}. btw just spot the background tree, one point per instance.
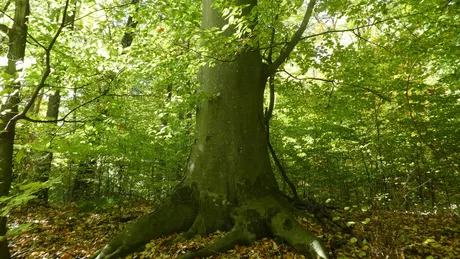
{"type": "Point", "coordinates": [11, 87]}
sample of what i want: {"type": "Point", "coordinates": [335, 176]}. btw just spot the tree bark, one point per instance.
{"type": "Point", "coordinates": [128, 36]}
{"type": "Point", "coordinates": [52, 113]}
{"type": "Point", "coordinates": [17, 43]}
{"type": "Point", "coordinates": [229, 170]}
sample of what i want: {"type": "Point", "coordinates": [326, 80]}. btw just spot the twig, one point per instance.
{"type": "Point", "coordinates": [102, 9]}
{"type": "Point", "coordinates": [342, 83]}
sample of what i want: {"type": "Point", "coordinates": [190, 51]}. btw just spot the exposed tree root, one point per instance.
{"type": "Point", "coordinates": [237, 236]}
{"type": "Point", "coordinates": [257, 218]}
{"type": "Point", "coordinates": [198, 228]}
{"type": "Point", "coordinates": [264, 218]}
{"type": "Point", "coordinates": [176, 215]}
{"type": "Point", "coordinates": [322, 214]}
{"type": "Point", "coordinates": [284, 226]}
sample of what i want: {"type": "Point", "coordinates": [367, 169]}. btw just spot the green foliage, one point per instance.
{"type": "Point", "coordinates": [99, 205]}
{"type": "Point", "coordinates": [25, 193]}
{"type": "Point", "coordinates": [19, 230]}
{"type": "Point", "coordinates": [366, 120]}
{"type": "Point", "coordinates": [366, 110]}
{"type": "Point", "coordinates": [366, 113]}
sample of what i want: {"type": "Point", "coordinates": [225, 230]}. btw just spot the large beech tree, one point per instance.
{"type": "Point", "coordinates": [230, 184]}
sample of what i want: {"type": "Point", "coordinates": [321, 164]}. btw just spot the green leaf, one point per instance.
{"type": "Point", "coordinates": [366, 221]}
{"type": "Point", "coordinates": [20, 155]}
{"type": "Point", "coordinates": [20, 229]}
{"type": "Point", "coordinates": [427, 241]}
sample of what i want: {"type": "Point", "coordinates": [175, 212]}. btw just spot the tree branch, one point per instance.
{"type": "Point", "coordinates": [205, 56]}
{"type": "Point", "coordinates": [46, 73]}
{"type": "Point", "coordinates": [70, 112]}
{"type": "Point", "coordinates": [283, 172]}
{"type": "Point", "coordinates": [335, 82]}
{"type": "Point", "coordinates": [268, 115]}
{"type": "Point", "coordinates": [347, 30]}
{"type": "Point", "coordinates": [102, 9]}
{"type": "Point", "coordinates": [330, 95]}
{"type": "Point", "coordinates": [370, 42]}
{"type": "Point", "coordinates": [363, 26]}
{"type": "Point", "coordinates": [272, 40]}
{"type": "Point", "coordinates": [53, 121]}
{"type": "Point", "coordinates": [4, 28]}
{"type": "Point", "coordinates": [5, 8]}
{"type": "Point", "coordinates": [294, 40]}
{"type": "Point", "coordinates": [131, 24]}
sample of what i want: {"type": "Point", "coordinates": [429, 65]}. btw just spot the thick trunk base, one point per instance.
{"type": "Point", "coordinates": [176, 215]}
{"type": "Point", "coordinates": [252, 220]}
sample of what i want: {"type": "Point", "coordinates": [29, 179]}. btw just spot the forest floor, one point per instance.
{"type": "Point", "coordinates": [69, 232]}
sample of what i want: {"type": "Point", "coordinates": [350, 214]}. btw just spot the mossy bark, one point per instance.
{"type": "Point", "coordinates": [229, 167]}
{"type": "Point", "coordinates": [177, 214]}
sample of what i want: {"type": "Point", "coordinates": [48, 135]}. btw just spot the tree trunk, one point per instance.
{"type": "Point", "coordinates": [52, 113]}
{"type": "Point", "coordinates": [17, 43]}
{"type": "Point", "coordinates": [229, 182]}
{"type": "Point", "coordinates": [6, 161]}
{"type": "Point", "coordinates": [128, 37]}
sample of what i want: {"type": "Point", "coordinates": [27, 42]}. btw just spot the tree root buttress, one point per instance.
{"type": "Point", "coordinates": [284, 226]}
{"type": "Point", "coordinates": [239, 235]}
{"type": "Point", "coordinates": [176, 215]}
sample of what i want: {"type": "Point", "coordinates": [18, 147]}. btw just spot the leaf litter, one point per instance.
{"type": "Point", "coordinates": [67, 232]}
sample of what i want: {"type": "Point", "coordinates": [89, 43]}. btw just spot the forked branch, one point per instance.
{"type": "Point", "coordinates": [294, 40]}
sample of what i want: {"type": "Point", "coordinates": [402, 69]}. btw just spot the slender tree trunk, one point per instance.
{"type": "Point", "coordinates": [6, 158]}
{"type": "Point", "coordinates": [128, 37]}
{"type": "Point", "coordinates": [17, 43]}
{"type": "Point", "coordinates": [378, 160]}
{"type": "Point", "coordinates": [45, 165]}
{"type": "Point", "coordinates": [38, 103]}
